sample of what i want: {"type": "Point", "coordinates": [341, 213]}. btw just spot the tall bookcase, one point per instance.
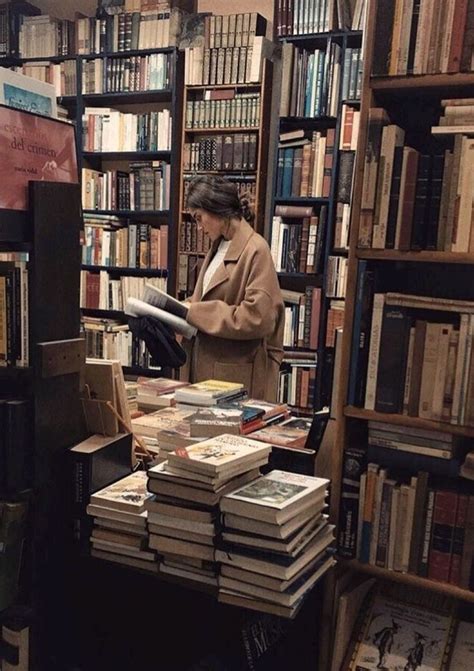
{"type": "Point", "coordinates": [137, 102]}
{"type": "Point", "coordinates": [202, 128]}
{"type": "Point", "coordinates": [413, 103]}
{"type": "Point", "coordinates": [319, 356]}
{"type": "Point", "coordinates": [48, 233]}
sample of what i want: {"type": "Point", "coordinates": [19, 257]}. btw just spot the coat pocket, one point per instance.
{"type": "Point", "coordinates": [234, 372]}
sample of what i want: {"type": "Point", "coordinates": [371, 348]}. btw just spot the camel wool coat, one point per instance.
{"type": "Point", "coordinates": [240, 318]}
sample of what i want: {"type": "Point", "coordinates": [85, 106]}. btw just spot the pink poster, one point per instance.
{"type": "Point", "coordinates": [36, 148]}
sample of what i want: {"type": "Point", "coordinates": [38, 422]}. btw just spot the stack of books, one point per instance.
{"type": "Point", "coordinates": [276, 542]}
{"type": "Point", "coordinates": [302, 313]}
{"type": "Point", "coordinates": [297, 238]}
{"type": "Point", "coordinates": [120, 523]}
{"type": "Point", "coordinates": [198, 476]}
{"type": "Point", "coordinates": [210, 392]}
{"type": "Point", "coordinates": [156, 393]}
{"type": "Point", "coordinates": [107, 129]}
{"type": "Point", "coordinates": [168, 428]}
{"type": "Point", "coordinates": [305, 164]}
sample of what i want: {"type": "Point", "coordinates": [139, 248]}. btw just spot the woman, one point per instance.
{"type": "Point", "coordinates": [237, 305]}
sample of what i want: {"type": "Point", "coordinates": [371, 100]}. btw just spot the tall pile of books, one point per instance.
{"type": "Point", "coordinates": [120, 523]}
{"type": "Point", "coordinates": [276, 542]}
{"type": "Point", "coordinates": [191, 483]}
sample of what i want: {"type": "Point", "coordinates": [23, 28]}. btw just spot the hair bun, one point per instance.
{"type": "Point", "coordinates": [246, 206]}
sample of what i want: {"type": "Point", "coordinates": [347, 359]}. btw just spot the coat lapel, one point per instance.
{"type": "Point", "coordinates": [239, 233]}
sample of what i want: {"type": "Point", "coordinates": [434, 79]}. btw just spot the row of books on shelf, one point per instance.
{"type": "Point", "coordinates": [224, 66]}
{"type": "Point", "coordinates": [232, 30]}
{"type": "Point", "coordinates": [305, 162]}
{"type": "Point", "coordinates": [297, 381]}
{"type": "Point", "coordinates": [416, 199]}
{"type": "Point", "coordinates": [246, 185]}
{"type": "Point", "coordinates": [306, 17]}
{"type": "Point", "coordinates": [415, 524]}
{"type": "Point", "coordinates": [412, 39]}
{"type": "Point", "coordinates": [310, 81]}
{"type": "Point", "coordinates": [100, 291]}
{"type": "Point", "coordinates": [302, 315]}
{"type": "Point", "coordinates": [46, 36]}
{"type": "Point", "coordinates": [106, 129]}
{"type": "Point", "coordinates": [145, 187]}
{"type": "Point", "coordinates": [126, 74]}
{"type": "Point", "coordinates": [414, 364]}
{"type": "Point", "coordinates": [352, 74]}
{"type": "Point", "coordinates": [135, 245]}
{"type": "Point", "coordinates": [420, 624]}
{"type": "Point", "coordinates": [112, 339]}
{"type": "Point", "coordinates": [297, 238]}
{"type": "Point", "coordinates": [336, 277]}
{"type": "Point", "coordinates": [193, 238]}
{"type": "Point", "coordinates": [14, 321]}
{"type": "Point", "coordinates": [236, 151]}
{"type": "Point", "coordinates": [223, 109]}
{"type": "Point", "coordinates": [63, 76]}
{"type": "Point", "coordinates": [189, 267]}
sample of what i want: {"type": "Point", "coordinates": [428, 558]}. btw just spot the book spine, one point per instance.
{"type": "Point", "coordinates": [444, 518]}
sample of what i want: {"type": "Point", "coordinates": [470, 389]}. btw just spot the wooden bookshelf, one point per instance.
{"type": "Point", "coordinates": [404, 420]}
{"type": "Point", "coordinates": [389, 267]}
{"type": "Point", "coordinates": [422, 256]}
{"type": "Point", "coordinates": [296, 281]}
{"type": "Point", "coordinates": [409, 579]}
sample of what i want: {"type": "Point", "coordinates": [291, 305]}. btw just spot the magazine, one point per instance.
{"type": "Point", "coordinates": [137, 308]}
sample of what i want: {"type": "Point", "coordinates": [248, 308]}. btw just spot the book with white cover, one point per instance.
{"type": "Point", "coordinates": [136, 308]}
{"type": "Point", "coordinates": [101, 513]}
{"type": "Point", "coordinates": [218, 454]}
{"type": "Point", "coordinates": [129, 494]}
{"type": "Point", "coordinates": [279, 531]}
{"type": "Point", "coordinates": [160, 299]}
{"type": "Point", "coordinates": [275, 497]}
{"type": "Point", "coordinates": [161, 420]}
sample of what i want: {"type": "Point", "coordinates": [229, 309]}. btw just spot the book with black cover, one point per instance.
{"type": "Point", "coordinates": [393, 350]}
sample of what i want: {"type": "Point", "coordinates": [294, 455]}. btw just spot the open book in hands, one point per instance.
{"type": "Point", "coordinates": [160, 305]}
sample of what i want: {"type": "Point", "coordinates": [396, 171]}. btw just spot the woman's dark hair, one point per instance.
{"type": "Point", "coordinates": [218, 196]}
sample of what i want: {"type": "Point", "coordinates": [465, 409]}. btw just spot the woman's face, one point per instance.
{"type": "Point", "coordinates": [210, 223]}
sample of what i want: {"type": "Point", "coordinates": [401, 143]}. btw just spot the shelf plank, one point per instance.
{"type": "Point", "coordinates": [138, 272]}
{"type": "Point", "coordinates": [104, 314]}
{"type": "Point", "coordinates": [423, 256]}
{"type": "Point", "coordinates": [222, 130]}
{"type": "Point", "coordinates": [297, 200]}
{"type": "Point", "coordinates": [422, 82]}
{"type": "Point", "coordinates": [308, 121]}
{"type": "Point", "coordinates": [126, 155]}
{"type": "Point", "coordinates": [409, 579]}
{"type": "Point", "coordinates": [126, 97]}
{"type": "Point", "coordinates": [131, 214]}
{"type": "Point", "coordinates": [200, 87]}
{"type": "Point", "coordinates": [405, 420]}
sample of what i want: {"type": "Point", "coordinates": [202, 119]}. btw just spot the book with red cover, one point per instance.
{"type": "Point", "coordinates": [33, 148]}
{"type": "Point", "coordinates": [444, 520]}
{"type": "Point", "coordinates": [458, 539]}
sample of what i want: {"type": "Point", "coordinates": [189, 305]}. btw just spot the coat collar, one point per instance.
{"type": "Point", "coordinates": [239, 234]}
